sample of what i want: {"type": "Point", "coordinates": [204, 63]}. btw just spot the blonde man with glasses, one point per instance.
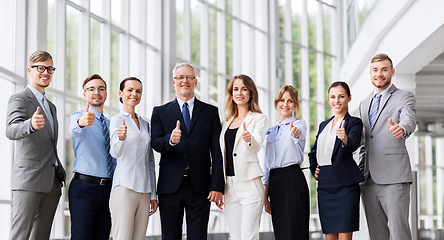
{"type": "Point", "coordinates": [37, 174]}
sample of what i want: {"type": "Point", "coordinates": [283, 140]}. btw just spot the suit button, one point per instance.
{"type": "Point", "coordinates": [185, 156]}
{"type": "Point", "coordinates": [53, 165]}
{"type": "Point", "coordinates": [371, 136]}
{"type": "Point", "coordinates": [235, 154]}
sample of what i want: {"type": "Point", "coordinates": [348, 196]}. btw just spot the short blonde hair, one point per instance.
{"type": "Point", "coordinates": [293, 94]}
{"type": "Point", "coordinates": [382, 57]}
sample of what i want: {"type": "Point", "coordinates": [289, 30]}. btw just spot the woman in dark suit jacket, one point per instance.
{"type": "Point", "coordinates": [332, 164]}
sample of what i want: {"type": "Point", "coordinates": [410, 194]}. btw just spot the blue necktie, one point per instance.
{"type": "Point", "coordinates": [109, 159]}
{"type": "Point", "coordinates": [374, 109]}
{"type": "Point", "coordinates": [186, 116]}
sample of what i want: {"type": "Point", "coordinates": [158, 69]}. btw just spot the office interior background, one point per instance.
{"type": "Point", "coordinates": [306, 43]}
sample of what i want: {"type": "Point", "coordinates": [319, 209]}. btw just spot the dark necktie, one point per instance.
{"type": "Point", "coordinates": [374, 109]}
{"type": "Point", "coordinates": [109, 159]}
{"type": "Point", "coordinates": [186, 116]}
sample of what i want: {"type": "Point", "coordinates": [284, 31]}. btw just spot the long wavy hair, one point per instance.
{"type": "Point", "coordinates": [253, 103]}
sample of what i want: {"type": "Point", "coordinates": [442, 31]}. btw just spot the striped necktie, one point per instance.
{"type": "Point", "coordinates": [109, 159]}
{"type": "Point", "coordinates": [374, 109]}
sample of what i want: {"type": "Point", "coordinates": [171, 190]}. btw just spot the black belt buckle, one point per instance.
{"type": "Point", "coordinates": [186, 173]}
{"type": "Point", "coordinates": [103, 182]}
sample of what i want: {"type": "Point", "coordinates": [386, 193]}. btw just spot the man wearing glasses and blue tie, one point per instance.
{"type": "Point", "coordinates": [186, 132]}
{"type": "Point", "coordinates": [93, 169]}
{"type": "Point", "coordinates": [37, 174]}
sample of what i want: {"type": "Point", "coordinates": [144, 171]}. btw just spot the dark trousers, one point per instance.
{"type": "Point", "coordinates": [89, 208]}
{"type": "Point", "coordinates": [290, 203]}
{"type": "Point", "coordinates": [197, 208]}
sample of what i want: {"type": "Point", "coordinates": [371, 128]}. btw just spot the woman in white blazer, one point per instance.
{"type": "Point", "coordinates": [241, 139]}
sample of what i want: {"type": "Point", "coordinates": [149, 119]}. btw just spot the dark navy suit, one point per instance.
{"type": "Point", "coordinates": [199, 149]}
{"type": "Point", "coordinates": [344, 166]}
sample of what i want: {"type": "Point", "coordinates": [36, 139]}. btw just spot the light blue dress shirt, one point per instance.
{"type": "Point", "coordinates": [89, 146]}
{"type": "Point", "coordinates": [282, 149]}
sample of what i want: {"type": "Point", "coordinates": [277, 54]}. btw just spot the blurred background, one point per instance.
{"type": "Point", "coordinates": [305, 43]}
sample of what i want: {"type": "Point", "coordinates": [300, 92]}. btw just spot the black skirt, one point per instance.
{"type": "Point", "coordinates": [338, 205]}
{"type": "Point", "coordinates": [290, 203]}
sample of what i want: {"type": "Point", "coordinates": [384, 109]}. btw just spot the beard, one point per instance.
{"type": "Point", "coordinates": [382, 84]}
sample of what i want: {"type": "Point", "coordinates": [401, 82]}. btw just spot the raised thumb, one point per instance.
{"type": "Point", "coordinates": [37, 111]}
{"type": "Point", "coordinates": [123, 122]}
{"type": "Point", "coordinates": [87, 107]}
{"type": "Point", "coordinates": [391, 122]}
{"type": "Point", "coordinates": [178, 124]}
{"type": "Point", "coordinates": [291, 124]}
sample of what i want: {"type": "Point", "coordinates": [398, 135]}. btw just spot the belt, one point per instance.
{"type": "Point", "coordinates": [186, 173]}
{"type": "Point", "coordinates": [101, 181]}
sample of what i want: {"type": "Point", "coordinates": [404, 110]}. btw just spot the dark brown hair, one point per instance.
{"type": "Point", "coordinates": [92, 77]}
{"type": "Point", "coordinates": [343, 85]}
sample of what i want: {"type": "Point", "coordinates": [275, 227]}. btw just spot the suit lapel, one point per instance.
{"type": "Point", "coordinates": [35, 103]}
{"type": "Point", "coordinates": [383, 102]}
{"type": "Point", "coordinates": [177, 115]}
{"type": "Point", "coordinates": [366, 105]}
{"type": "Point", "coordinates": [196, 112]}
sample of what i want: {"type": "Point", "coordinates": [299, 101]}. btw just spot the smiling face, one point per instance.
{"type": "Point", "coordinates": [40, 81]}
{"type": "Point", "coordinates": [285, 106]}
{"type": "Point", "coordinates": [241, 94]}
{"type": "Point", "coordinates": [132, 93]}
{"type": "Point", "coordinates": [338, 99]}
{"type": "Point", "coordinates": [96, 98]}
{"type": "Point", "coordinates": [184, 87]}
{"type": "Point", "coordinates": [381, 74]}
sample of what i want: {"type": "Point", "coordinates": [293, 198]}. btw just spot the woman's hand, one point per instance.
{"type": "Point", "coordinates": [121, 131]}
{"type": "Point", "coordinates": [294, 131]}
{"type": "Point", "coordinates": [317, 171]}
{"type": "Point", "coordinates": [246, 135]}
{"type": "Point", "coordinates": [341, 133]}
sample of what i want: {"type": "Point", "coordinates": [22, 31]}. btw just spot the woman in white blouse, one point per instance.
{"type": "Point", "coordinates": [287, 198]}
{"type": "Point", "coordinates": [133, 196]}
{"type": "Point", "coordinates": [241, 139]}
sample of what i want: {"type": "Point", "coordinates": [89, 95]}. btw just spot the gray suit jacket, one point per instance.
{"type": "Point", "coordinates": [36, 152]}
{"type": "Point", "coordinates": [383, 157]}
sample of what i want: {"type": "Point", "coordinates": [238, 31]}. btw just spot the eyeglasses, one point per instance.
{"type": "Point", "coordinates": [41, 69]}
{"type": "Point", "coordinates": [181, 78]}
{"type": "Point", "coordinates": [93, 89]}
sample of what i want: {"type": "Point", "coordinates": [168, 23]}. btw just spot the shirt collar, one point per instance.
{"type": "Point", "coordinates": [287, 121]}
{"type": "Point", "coordinates": [37, 94]}
{"type": "Point", "coordinates": [127, 114]}
{"type": "Point", "coordinates": [383, 92]}
{"type": "Point", "coordinates": [190, 102]}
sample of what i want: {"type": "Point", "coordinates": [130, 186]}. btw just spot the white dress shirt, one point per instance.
{"type": "Point", "coordinates": [326, 143]}
{"type": "Point", "coordinates": [135, 160]}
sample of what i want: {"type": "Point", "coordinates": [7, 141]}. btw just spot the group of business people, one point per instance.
{"type": "Point", "coordinates": [204, 161]}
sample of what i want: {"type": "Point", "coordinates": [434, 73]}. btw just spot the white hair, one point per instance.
{"type": "Point", "coordinates": [184, 64]}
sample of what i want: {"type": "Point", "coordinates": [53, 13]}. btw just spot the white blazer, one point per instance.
{"type": "Point", "coordinates": [245, 160]}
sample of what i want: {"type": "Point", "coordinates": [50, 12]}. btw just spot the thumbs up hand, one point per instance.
{"type": "Point", "coordinates": [176, 134]}
{"type": "Point", "coordinates": [121, 131]}
{"type": "Point", "coordinates": [294, 131]}
{"type": "Point", "coordinates": [246, 135]}
{"type": "Point", "coordinates": [340, 133]}
{"type": "Point", "coordinates": [87, 119]}
{"type": "Point", "coordinates": [396, 130]}
{"type": "Point", "coordinates": [37, 120]}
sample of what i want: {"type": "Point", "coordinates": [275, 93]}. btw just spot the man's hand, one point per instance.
{"type": "Point", "coordinates": [153, 207]}
{"type": "Point", "coordinates": [341, 133]}
{"type": "Point", "coordinates": [37, 120]}
{"type": "Point", "coordinates": [176, 134]}
{"type": "Point", "coordinates": [87, 119]}
{"type": "Point", "coordinates": [121, 131]}
{"type": "Point", "coordinates": [267, 206]}
{"type": "Point", "coordinates": [246, 135]}
{"type": "Point", "coordinates": [396, 130]}
{"type": "Point", "coordinates": [216, 197]}
{"type": "Point", "coordinates": [294, 131]}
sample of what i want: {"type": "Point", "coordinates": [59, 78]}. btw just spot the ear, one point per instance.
{"type": "Point", "coordinates": [393, 72]}
{"type": "Point", "coordinates": [195, 84]}
{"type": "Point", "coordinates": [174, 84]}
{"type": "Point", "coordinates": [120, 93]}
{"type": "Point", "coordinates": [350, 98]}
{"type": "Point", "coordinates": [29, 70]}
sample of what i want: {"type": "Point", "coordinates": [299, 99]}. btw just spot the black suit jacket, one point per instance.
{"type": "Point", "coordinates": [200, 147]}
{"type": "Point", "coordinates": [342, 160]}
